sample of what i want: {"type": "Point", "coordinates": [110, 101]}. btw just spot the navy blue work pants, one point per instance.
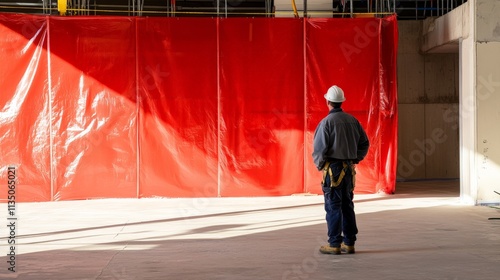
{"type": "Point", "coordinates": [339, 207]}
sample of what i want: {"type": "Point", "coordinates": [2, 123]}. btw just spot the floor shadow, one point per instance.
{"type": "Point", "coordinates": [392, 244]}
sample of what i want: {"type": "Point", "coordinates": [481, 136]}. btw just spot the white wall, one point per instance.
{"type": "Point", "coordinates": [476, 26]}
{"type": "Point", "coordinates": [428, 95]}
{"type": "Point", "coordinates": [468, 182]}
{"type": "Point", "coordinates": [488, 100]}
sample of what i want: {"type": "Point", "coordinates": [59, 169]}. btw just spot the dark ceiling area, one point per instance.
{"type": "Point", "coordinates": [405, 9]}
{"type": "Point", "coordinates": [144, 7]}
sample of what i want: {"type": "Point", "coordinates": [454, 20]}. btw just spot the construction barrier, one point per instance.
{"type": "Point", "coordinates": [134, 107]}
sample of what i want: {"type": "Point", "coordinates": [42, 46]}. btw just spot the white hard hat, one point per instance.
{"type": "Point", "coordinates": [335, 94]}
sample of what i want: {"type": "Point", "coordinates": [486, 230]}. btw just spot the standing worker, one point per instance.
{"type": "Point", "coordinates": [340, 142]}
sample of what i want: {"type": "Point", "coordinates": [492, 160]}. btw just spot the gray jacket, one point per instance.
{"type": "Point", "coordinates": [339, 136]}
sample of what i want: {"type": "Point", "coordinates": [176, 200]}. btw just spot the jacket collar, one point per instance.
{"type": "Point", "coordinates": [335, 110]}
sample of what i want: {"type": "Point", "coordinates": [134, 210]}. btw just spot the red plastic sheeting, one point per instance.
{"type": "Point", "coordinates": [359, 55]}
{"type": "Point", "coordinates": [177, 70]}
{"type": "Point", "coordinates": [93, 97]}
{"type": "Point", "coordinates": [187, 107]}
{"type": "Point", "coordinates": [262, 107]}
{"type": "Point", "coordinates": [25, 107]}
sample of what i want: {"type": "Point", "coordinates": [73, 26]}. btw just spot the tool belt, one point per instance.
{"type": "Point", "coordinates": [327, 171]}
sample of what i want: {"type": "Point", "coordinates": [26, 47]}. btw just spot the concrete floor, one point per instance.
{"type": "Point", "coordinates": [422, 232]}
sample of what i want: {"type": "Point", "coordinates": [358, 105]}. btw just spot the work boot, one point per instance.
{"type": "Point", "coordinates": [347, 249]}
{"type": "Point", "coordinates": [327, 249]}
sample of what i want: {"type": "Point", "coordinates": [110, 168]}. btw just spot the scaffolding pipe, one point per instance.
{"type": "Point", "coordinates": [305, 8]}
{"type": "Point", "coordinates": [137, 7]}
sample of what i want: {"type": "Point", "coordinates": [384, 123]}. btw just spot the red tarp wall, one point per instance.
{"type": "Point", "coordinates": [187, 107]}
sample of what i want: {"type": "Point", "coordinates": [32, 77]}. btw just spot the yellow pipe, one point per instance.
{"type": "Point", "coordinates": [62, 6]}
{"type": "Point", "coordinates": [295, 13]}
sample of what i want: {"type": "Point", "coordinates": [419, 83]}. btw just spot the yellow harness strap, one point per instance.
{"type": "Point", "coordinates": [327, 171]}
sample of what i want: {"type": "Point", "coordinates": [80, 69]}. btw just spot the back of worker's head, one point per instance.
{"type": "Point", "coordinates": [335, 96]}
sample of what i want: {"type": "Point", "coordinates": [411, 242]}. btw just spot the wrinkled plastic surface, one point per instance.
{"type": "Point", "coordinates": [187, 107]}
{"type": "Point", "coordinates": [93, 101]}
{"type": "Point", "coordinates": [359, 55]}
{"type": "Point", "coordinates": [262, 107]}
{"type": "Point", "coordinates": [25, 107]}
{"type": "Point", "coordinates": [177, 66]}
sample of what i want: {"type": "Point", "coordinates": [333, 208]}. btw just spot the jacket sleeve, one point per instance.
{"type": "Point", "coordinates": [363, 144]}
{"type": "Point", "coordinates": [320, 145]}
